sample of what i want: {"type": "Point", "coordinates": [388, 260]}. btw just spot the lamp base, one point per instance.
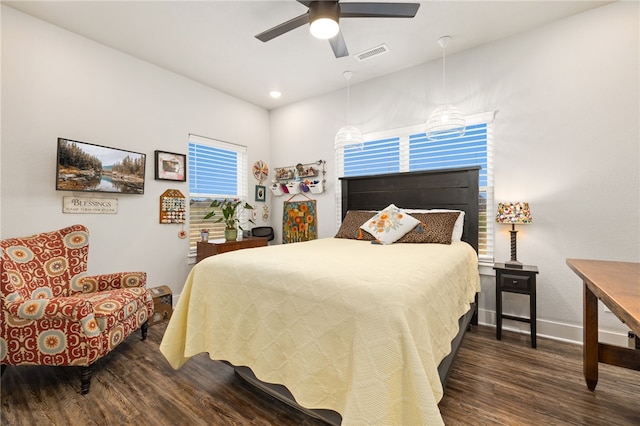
{"type": "Point", "coordinates": [513, 264]}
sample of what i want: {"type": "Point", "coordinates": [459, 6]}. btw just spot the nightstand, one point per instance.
{"type": "Point", "coordinates": [211, 248]}
{"type": "Point", "coordinates": [521, 281]}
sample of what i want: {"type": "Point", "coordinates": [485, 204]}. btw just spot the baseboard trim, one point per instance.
{"type": "Point", "coordinates": [553, 330]}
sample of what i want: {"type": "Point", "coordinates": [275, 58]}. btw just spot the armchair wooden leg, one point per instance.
{"type": "Point", "coordinates": [85, 377]}
{"type": "Point", "coordinates": [4, 367]}
{"type": "Point", "coordinates": [143, 328]}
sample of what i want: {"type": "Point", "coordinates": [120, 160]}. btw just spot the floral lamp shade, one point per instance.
{"type": "Point", "coordinates": [514, 213]}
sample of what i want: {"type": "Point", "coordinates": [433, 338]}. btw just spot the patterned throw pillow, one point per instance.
{"type": "Point", "coordinates": [350, 227]}
{"type": "Point", "coordinates": [390, 224]}
{"type": "Point", "coordinates": [433, 228]}
{"type": "Point", "coordinates": [459, 226]}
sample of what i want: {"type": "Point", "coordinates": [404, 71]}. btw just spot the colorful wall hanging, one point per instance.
{"type": "Point", "coordinates": [299, 221]}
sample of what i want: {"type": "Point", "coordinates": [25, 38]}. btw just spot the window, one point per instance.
{"type": "Point", "coordinates": [216, 170]}
{"type": "Point", "coordinates": [407, 149]}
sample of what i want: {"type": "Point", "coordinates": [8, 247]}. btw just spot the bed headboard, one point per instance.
{"type": "Point", "coordinates": [445, 188]}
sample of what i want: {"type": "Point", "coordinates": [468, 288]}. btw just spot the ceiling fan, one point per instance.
{"type": "Point", "coordinates": [323, 17]}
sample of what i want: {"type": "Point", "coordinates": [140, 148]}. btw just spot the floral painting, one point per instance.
{"type": "Point", "coordinates": [299, 221]}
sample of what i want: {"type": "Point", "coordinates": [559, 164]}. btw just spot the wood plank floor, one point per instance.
{"type": "Point", "coordinates": [493, 383]}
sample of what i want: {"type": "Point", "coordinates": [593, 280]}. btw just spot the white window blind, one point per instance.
{"type": "Point", "coordinates": [407, 149]}
{"type": "Point", "coordinates": [376, 157]}
{"type": "Point", "coordinates": [216, 170]}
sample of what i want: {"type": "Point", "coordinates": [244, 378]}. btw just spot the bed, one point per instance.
{"type": "Point", "coordinates": [343, 329]}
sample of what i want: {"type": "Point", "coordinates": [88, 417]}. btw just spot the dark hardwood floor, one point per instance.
{"type": "Point", "coordinates": [493, 383]}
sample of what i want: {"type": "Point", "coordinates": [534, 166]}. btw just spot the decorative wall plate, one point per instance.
{"type": "Point", "coordinates": [260, 171]}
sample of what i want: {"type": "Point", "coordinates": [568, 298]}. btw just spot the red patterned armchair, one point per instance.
{"type": "Point", "coordinates": [52, 313]}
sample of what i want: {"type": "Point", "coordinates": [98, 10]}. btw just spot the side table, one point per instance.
{"type": "Point", "coordinates": [211, 248]}
{"type": "Point", "coordinates": [521, 281]}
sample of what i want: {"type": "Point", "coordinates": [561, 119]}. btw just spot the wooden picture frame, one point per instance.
{"type": "Point", "coordinates": [261, 193]}
{"type": "Point", "coordinates": [170, 166]}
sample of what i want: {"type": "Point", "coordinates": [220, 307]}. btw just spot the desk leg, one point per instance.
{"type": "Point", "coordinates": [590, 337]}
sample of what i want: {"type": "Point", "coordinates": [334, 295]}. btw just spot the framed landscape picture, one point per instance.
{"type": "Point", "coordinates": [83, 166]}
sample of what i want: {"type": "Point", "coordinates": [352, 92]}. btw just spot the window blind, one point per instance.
{"type": "Point", "coordinates": [217, 170]}
{"type": "Point", "coordinates": [376, 157]}
{"type": "Point", "coordinates": [408, 149]}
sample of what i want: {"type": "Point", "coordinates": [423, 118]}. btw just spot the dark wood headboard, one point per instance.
{"type": "Point", "coordinates": [446, 189]}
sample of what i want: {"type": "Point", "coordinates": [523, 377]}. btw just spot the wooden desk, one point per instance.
{"type": "Point", "coordinates": [212, 248]}
{"type": "Point", "coordinates": [617, 284]}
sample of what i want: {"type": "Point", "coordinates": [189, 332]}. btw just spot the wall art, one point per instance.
{"type": "Point", "coordinates": [171, 166]}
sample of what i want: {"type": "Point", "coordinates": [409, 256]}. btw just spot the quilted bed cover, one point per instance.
{"type": "Point", "coordinates": [345, 325]}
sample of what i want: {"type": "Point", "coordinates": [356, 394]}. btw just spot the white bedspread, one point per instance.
{"type": "Point", "coordinates": [343, 324]}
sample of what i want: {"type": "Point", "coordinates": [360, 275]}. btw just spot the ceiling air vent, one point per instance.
{"type": "Point", "coordinates": [376, 51]}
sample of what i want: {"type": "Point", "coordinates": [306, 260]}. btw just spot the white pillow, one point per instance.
{"type": "Point", "coordinates": [390, 224]}
{"type": "Point", "coordinates": [456, 235]}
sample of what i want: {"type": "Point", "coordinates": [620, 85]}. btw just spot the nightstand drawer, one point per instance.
{"type": "Point", "coordinates": [515, 282]}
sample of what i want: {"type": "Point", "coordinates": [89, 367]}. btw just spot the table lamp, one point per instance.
{"type": "Point", "coordinates": [513, 213]}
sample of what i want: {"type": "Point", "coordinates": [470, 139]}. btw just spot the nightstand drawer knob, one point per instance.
{"type": "Point", "coordinates": [514, 282]}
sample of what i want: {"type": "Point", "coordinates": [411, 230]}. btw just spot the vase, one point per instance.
{"type": "Point", "coordinates": [231, 234]}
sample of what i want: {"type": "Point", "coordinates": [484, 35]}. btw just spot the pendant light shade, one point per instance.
{"type": "Point", "coordinates": [349, 135]}
{"type": "Point", "coordinates": [446, 120]}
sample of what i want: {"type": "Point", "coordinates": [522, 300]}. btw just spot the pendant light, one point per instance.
{"type": "Point", "coordinates": [349, 135]}
{"type": "Point", "coordinates": [446, 120]}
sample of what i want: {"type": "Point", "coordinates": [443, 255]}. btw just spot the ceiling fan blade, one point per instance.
{"type": "Point", "coordinates": [378, 10]}
{"type": "Point", "coordinates": [338, 45]}
{"type": "Point", "coordinates": [283, 28]}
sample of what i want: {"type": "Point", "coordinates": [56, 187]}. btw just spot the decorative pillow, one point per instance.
{"type": "Point", "coordinates": [350, 227]}
{"type": "Point", "coordinates": [459, 226]}
{"type": "Point", "coordinates": [433, 228]}
{"type": "Point", "coordinates": [390, 224]}
{"type": "Point", "coordinates": [457, 229]}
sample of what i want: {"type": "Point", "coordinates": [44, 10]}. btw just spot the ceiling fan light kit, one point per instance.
{"type": "Point", "coordinates": [324, 16]}
{"type": "Point", "coordinates": [446, 120]}
{"type": "Point", "coordinates": [323, 19]}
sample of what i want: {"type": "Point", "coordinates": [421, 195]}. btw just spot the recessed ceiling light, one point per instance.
{"type": "Point", "coordinates": [275, 94]}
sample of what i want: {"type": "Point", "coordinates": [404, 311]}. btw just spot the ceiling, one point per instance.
{"type": "Point", "coordinates": [213, 42]}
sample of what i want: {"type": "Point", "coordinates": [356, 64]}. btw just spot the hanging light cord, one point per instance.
{"type": "Point", "coordinates": [443, 41]}
{"type": "Point", "coordinates": [347, 75]}
{"type": "Point", "coordinates": [446, 120]}
{"type": "Point", "coordinates": [444, 73]}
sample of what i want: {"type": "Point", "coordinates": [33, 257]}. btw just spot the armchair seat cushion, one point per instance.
{"type": "Point", "coordinates": [113, 307]}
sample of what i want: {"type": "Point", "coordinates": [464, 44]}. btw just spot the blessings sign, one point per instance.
{"type": "Point", "coordinates": [89, 205]}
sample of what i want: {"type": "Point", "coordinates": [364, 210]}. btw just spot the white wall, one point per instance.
{"type": "Point", "coordinates": [566, 139]}
{"type": "Point", "coordinates": [57, 84]}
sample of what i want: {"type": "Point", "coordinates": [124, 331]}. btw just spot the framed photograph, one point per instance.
{"type": "Point", "coordinates": [83, 166]}
{"type": "Point", "coordinates": [261, 193]}
{"type": "Point", "coordinates": [171, 166]}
